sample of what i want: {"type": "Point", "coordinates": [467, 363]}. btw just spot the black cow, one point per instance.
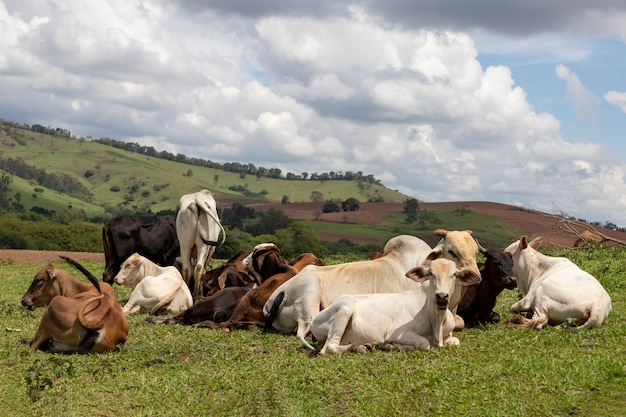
{"type": "Point", "coordinates": [151, 236]}
{"type": "Point", "coordinates": [478, 302]}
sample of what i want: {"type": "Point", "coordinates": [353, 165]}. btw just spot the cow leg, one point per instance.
{"type": "Point", "coordinates": [202, 260]}
{"type": "Point", "coordinates": [525, 304]}
{"type": "Point", "coordinates": [130, 308]}
{"type": "Point", "coordinates": [335, 321]}
{"type": "Point", "coordinates": [409, 341]}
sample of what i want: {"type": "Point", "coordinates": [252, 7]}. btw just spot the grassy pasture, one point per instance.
{"type": "Point", "coordinates": [183, 371]}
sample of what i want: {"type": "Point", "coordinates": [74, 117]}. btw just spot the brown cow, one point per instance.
{"type": "Point", "coordinates": [50, 282]}
{"type": "Point", "coordinates": [88, 322]}
{"type": "Point", "coordinates": [229, 274]}
{"type": "Point", "coordinates": [249, 311]}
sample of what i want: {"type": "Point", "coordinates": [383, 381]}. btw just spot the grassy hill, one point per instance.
{"type": "Point", "coordinates": [123, 179]}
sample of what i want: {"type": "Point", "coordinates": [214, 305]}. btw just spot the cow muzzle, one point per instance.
{"type": "Point", "coordinates": [510, 282]}
{"type": "Point", "coordinates": [28, 303]}
{"type": "Point", "coordinates": [441, 299]}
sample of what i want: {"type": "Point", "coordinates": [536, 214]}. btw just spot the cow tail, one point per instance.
{"type": "Point", "coordinates": [167, 300]}
{"type": "Point", "coordinates": [202, 205]}
{"type": "Point", "coordinates": [86, 315]}
{"type": "Point", "coordinates": [277, 306]}
{"type": "Point", "coordinates": [84, 270]}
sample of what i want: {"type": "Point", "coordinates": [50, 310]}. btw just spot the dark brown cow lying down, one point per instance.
{"type": "Point", "coordinates": [88, 322]}
{"type": "Point", "coordinates": [210, 310]}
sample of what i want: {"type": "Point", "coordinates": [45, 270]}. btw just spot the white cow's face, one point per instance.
{"type": "Point", "coordinates": [129, 274]}
{"type": "Point", "coordinates": [442, 275]}
{"type": "Point", "coordinates": [458, 246]}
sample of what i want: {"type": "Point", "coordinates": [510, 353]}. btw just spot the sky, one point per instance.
{"type": "Point", "coordinates": [521, 103]}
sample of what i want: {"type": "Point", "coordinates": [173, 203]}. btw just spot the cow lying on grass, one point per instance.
{"type": "Point", "coordinates": [88, 322]}
{"type": "Point", "coordinates": [496, 274]}
{"type": "Point", "coordinates": [295, 303]}
{"type": "Point", "coordinates": [556, 291]}
{"type": "Point", "coordinates": [49, 282]}
{"type": "Point", "coordinates": [415, 319]}
{"type": "Point", "coordinates": [156, 289]}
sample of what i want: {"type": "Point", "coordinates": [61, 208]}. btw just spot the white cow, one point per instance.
{"type": "Point", "coordinates": [419, 318]}
{"type": "Point", "coordinates": [155, 288]}
{"type": "Point", "coordinates": [198, 227]}
{"type": "Point", "coordinates": [295, 303]}
{"type": "Point", "coordinates": [555, 289]}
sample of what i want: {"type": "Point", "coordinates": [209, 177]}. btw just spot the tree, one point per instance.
{"type": "Point", "coordinates": [269, 221]}
{"type": "Point", "coordinates": [297, 239]}
{"type": "Point", "coordinates": [5, 181]}
{"type": "Point", "coordinates": [316, 197]}
{"type": "Point", "coordinates": [330, 207]}
{"type": "Point", "coordinates": [411, 207]}
{"type": "Point", "coordinates": [351, 204]}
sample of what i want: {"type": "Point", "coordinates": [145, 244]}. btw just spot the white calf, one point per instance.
{"type": "Point", "coordinates": [555, 289]}
{"type": "Point", "coordinates": [155, 289]}
{"type": "Point", "coordinates": [418, 318]}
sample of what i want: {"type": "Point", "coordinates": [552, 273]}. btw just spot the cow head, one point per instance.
{"type": "Point", "coordinates": [498, 269]}
{"type": "Point", "coordinates": [264, 261]}
{"type": "Point", "coordinates": [131, 272]}
{"type": "Point", "coordinates": [442, 275]}
{"type": "Point", "coordinates": [525, 260]}
{"type": "Point", "coordinates": [44, 288]}
{"type": "Point", "coordinates": [458, 246]}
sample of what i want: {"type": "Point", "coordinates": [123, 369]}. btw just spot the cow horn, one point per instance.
{"type": "Point", "coordinates": [480, 248]}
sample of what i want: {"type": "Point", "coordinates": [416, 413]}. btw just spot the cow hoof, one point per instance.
{"type": "Point", "coordinates": [363, 349]}
{"type": "Point", "coordinates": [495, 317]}
{"type": "Point", "coordinates": [518, 319]}
{"type": "Point", "coordinates": [206, 324]}
{"type": "Point", "coordinates": [26, 341]}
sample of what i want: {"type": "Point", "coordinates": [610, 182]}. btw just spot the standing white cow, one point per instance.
{"type": "Point", "coordinates": [555, 289]}
{"type": "Point", "coordinates": [407, 320]}
{"type": "Point", "coordinates": [155, 288]}
{"type": "Point", "coordinates": [295, 303]}
{"type": "Point", "coordinates": [198, 228]}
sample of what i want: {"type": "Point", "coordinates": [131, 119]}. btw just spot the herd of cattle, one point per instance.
{"type": "Point", "coordinates": [410, 296]}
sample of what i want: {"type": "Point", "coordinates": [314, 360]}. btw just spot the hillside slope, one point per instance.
{"type": "Point", "coordinates": [120, 180]}
{"type": "Point", "coordinates": [520, 221]}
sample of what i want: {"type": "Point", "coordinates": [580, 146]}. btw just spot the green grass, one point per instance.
{"type": "Point", "coordinates": [183, 371]}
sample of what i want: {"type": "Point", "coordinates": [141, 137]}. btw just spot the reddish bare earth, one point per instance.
{"type": "Point", "coordinates": [21, 257]}
{"type": "Point", "coordinates": [529, 222]}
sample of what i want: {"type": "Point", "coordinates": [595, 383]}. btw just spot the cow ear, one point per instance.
{"type": "Point", "coordinates": [536, 242]}
{"type": "Point", "coordinates": [51, 273]}
{"type": "Point", "coordinates": [418, 274]}
{"type": "Point", "coordinates": [467, 277]}
{"type": "Point", "coordinates": [440, 232]}
{"type": "Point", "coordinates": [434, 254]}
{"type": "Point", "coordinates": [523, 242]}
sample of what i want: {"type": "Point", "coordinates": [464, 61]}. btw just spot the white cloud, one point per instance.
{"type": "Point", "coordinates": [584, 101]}
{"type": "Point", "coordinates": [397, 92]}
{"type": "Point", "coordinates": [617, 98]}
